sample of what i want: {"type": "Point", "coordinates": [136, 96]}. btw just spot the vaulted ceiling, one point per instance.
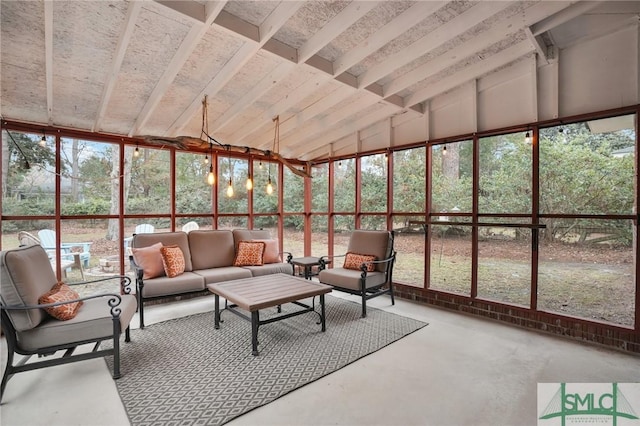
{"type": "Point", "coordinates": [328, 69]}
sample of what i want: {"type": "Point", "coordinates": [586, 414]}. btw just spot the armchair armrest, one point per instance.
{"type": "Point", "coordinates": [125, 282]}
{"type": "Point", "coordinates": [113, 302]}
{"type": "Point", "coordinates": [138, 270]}
{"type": "Point", "coordinates": [326, 260]}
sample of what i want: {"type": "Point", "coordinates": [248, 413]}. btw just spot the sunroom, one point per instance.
{"type": "Point", "coordinates": [497, 140]}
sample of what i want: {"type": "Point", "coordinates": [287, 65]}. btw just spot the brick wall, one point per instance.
{"type": "Point", "coordinates": [612, 336]}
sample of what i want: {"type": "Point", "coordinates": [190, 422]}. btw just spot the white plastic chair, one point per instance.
{"type": "Point", "coordinates": [143, 228]}
{"type": "Point", "coordinates": [190, 226]}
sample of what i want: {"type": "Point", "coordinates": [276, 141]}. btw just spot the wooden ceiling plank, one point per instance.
{"type": "Point", "coordinates": [339, 24]}
{"type": "Point", "coordinates": [189, 43]}
{"type": "Point", "coordinates": [496, 33]}
{"type": "Point", "coordinates": [112, 76]}
{"type": "Point", "coordinates": [471, 72]}
{"type": "Point", "coordinates": [396, 27]}
{"type": "Point", "coordinates": [436, 38]}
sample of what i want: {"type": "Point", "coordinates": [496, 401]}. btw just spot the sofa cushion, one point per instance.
{"type": "Point", "coordinates": [211, 249]}
{"type": "Point", "coordinates": [172, 260]}
{"type": "Point", "coordinates": [223, 273]}
{"type": "Point", "coordinates": [61, 293]}
{"type": "Point", "coordinates": [249, 253]}
{"type": "Point", "coordinates": [150, 260]}
{"type": "Point", "coordinates": [270, 268]}
{"type": "Point", "coordinates": [167, 239]}
{"type": "Point", "coordinates": [27, 274]}
{"type": "Point", "coordinates": [93, 320]}
{"type": "Point", "coordinates": [355, 261]}
{"type": "Point", "coordinates": [165, 286]}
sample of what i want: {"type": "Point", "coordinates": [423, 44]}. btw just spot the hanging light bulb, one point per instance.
{"type": "Point", "coordinates": [211, 178]}
{"type": "Point", "coordinates": [136, 152]}
{"type": "Point", "coordinates": [527, 137]}
{"type": "Point", "coordinates": [230, 189]}
{"type": "Point", "coordinates": [206, 159]}
{"type": "Point", "coordinates": [444, 150]}
{"type": "Point", "coordinates": [249, 183]}
{"type": "Point", "coordinates": [269, 187]}
{"type": "Point", "coordinates": [43, 141]}
{"type": "Point", "coordinates": [260, 165]}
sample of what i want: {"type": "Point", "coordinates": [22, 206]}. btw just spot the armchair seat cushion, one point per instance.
{"type": "Point", "coordinates": [349, 278]}
{"type": "Point", "coordinates": [165, 286]}
{"type": "Point", "coordinates": [93, 319]}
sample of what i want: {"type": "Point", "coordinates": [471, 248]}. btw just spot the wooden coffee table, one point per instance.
{"type": "Point", "coordinates": [254, 294]}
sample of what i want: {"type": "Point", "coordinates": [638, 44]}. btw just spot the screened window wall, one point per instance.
{"type": "Point", "coordinates": [541, 217]}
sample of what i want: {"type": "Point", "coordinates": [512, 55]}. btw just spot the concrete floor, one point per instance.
{"type": "Point", "coordinates": [459, 370]}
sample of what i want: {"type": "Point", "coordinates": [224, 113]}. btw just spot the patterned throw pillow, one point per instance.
{"type": "Point", "coordinates": [271, 251]}
{"type": "Point", "coordinates": [249, 253]}
{"type": "Point", "coordinates": [150, 260]}
{"type": "Point", "coordinates": [172, 260]}
{"type": "Point", "coordinates": [61, 293]}
{"type": "Point", "coordinates": [354, 260]}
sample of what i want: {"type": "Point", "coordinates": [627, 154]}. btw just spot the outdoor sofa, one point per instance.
{"type": "Point", "coordinates": [208, 256]}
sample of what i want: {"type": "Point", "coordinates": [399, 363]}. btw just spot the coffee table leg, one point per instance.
{"type": "Point", "coordinates": [255, 320]}
{"type": "Point", "coordinates": [217, 312]}
{"type": "Point", "coordinates": [324, 326]}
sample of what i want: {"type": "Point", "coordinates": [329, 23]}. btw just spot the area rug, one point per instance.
{"type": "Point", "coordinates": [183, 371]}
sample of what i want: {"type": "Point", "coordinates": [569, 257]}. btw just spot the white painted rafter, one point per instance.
{"type": "Point", "coordinates": [48, 56]}
{"type": "Point", "coordinates": [189, 43]}
{"type": "Point", "coordinates": [471, 72]}
{"type": "Point", "coordinates": [573, 11]}
{"type": "Point", "coordinates": [497, 32]}
{"type": "Point", "coordinates": [393, 29]}
{"type": "Point", "coordinates": [112, 76]}
{"type": "Point", "coordinates": [339, 24]}
{"type": "Point", "coordinates": [436, 38]}
{"type": "Point", "coordinates": [269, 27]}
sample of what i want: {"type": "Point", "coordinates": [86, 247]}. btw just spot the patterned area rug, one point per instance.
{"type": "Point", "coordinates": [183, 371]}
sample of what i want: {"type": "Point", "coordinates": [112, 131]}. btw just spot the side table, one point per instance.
{"type": "Point", "coordinates": [306, 263]}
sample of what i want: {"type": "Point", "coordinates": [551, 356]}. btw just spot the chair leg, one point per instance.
{"type": "Point", "coordinates": [364, 304]}
{"type": "Point", "coordinates": [393, 301]}
{"type": "Point", "coordinates": [6, 376]}
{"type": "Point", "coordinates": [116, 348]}
{"type": "Point", "coordinates": [127, 334]}
{"type": "Point", "coordinates": [141, 312]}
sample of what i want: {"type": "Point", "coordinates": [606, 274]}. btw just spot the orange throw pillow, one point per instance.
{"type": "Point", "coordinates": [61, 293]}
{"type": "Point", "coordinates": [173, 260]}
{"type": "Point", "coordinates": [354, 260]}
{"type": "Point", "coordinates": [271, 251]}
{"type": "Point", "coordinates": [249, 253]}
{"type": "Point", "coordinates": [150, 260]}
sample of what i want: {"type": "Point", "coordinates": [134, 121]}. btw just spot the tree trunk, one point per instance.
{"type": "Point", "coordinates": [75, 170]}
{"type": "Point", "coordinates": [451, 161]}
{"type": "Point", "coordinates": [5, 163]}
{"type": "Point", "coordinates": [113, 228]}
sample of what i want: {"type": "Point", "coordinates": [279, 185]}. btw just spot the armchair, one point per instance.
{"type": "Point", "coordinates": [368, 267]}
{"type": "Point", "coordinates": [26, 275]}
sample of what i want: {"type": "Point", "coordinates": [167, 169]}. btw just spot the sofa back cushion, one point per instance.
{"type": "Point", "coordinates": [211, 249]}
{"type": "Point", "coordinates": [167, 239]}
{"type": "Point", "coordinates": [26, 275]}
{"type": "Point", "coordinates": [249, 234]}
